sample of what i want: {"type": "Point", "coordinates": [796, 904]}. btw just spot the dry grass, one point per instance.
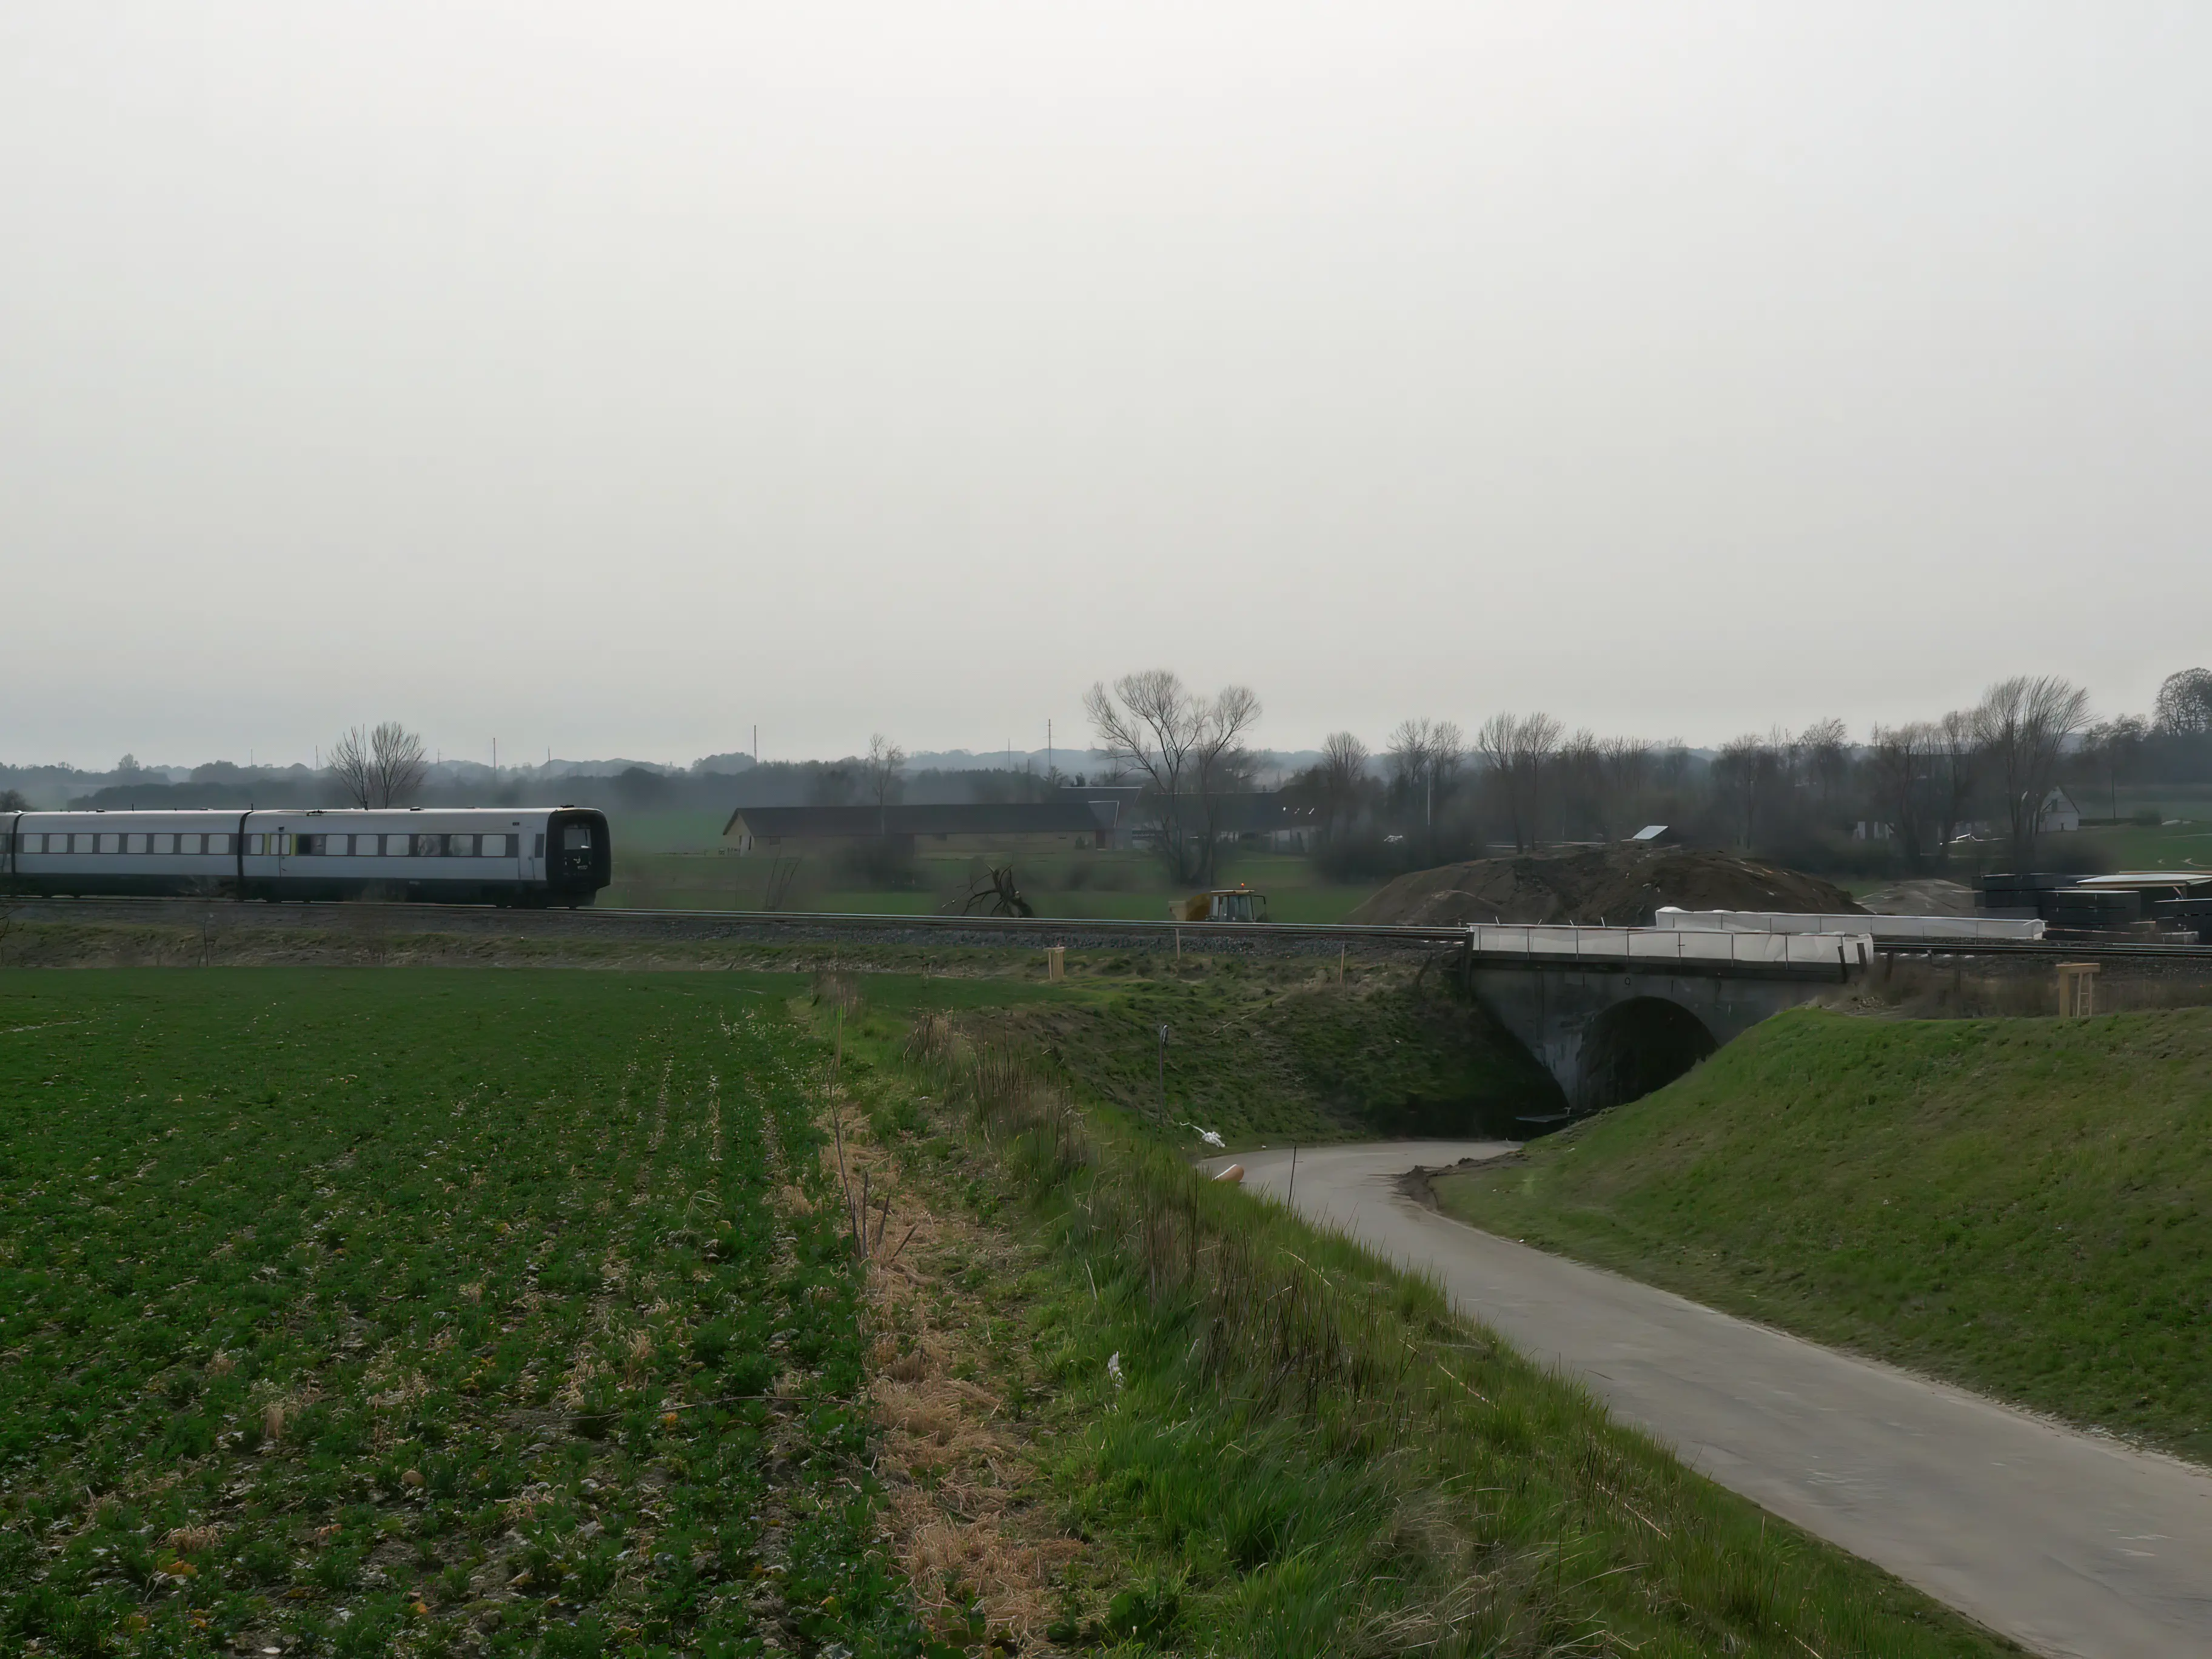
{"type": "Point", "coordinates": [960, 1473]}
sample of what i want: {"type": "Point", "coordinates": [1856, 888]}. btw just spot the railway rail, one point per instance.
{"type": "Point", "coordinates": [1274, 937]}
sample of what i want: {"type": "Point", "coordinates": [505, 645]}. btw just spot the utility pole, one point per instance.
{"type": "Point", "coordinates": [755, 742]}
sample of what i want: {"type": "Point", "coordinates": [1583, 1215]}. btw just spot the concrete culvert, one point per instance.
{"type": "Point", "coordinates": [1638, 1045]}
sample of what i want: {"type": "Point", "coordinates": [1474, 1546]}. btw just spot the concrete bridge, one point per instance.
{"type": "Point", "coordinates": [1615, 1013]}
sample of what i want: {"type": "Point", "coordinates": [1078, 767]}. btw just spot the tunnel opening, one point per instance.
{"type": "Point", "coordinates": [1636, 1047]}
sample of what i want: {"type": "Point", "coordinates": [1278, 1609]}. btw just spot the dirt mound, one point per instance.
{"type": "Point", "coordinates": [1624, 886]}
{"type": "Point", "coordinates": [1926, 896]}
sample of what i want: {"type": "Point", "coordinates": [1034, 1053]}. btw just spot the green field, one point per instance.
{"type": "Point", "coordinates": [674, 861]}
{"type": "Point", "coordinates": [347, 1310]}
{"type": "Point", "coordinates": [356, 1312]}
{"type": "Point", "coordinates": [2020, 1205]}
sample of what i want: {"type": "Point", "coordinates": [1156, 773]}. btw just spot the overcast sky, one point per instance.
{"type": "Point", "coordinates": [610, 378]}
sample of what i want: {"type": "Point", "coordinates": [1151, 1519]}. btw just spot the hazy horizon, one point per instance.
{"type": "Point", "coordinates": [614, 380]}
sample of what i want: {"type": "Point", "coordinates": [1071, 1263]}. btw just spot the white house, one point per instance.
{"type": "Point", "coordinates": [2059, 814]}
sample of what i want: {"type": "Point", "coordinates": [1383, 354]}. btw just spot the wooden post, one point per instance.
{"type": "Point", "coordinates": [2077, 989]}
{"type": "Point", "coordinates": [1055, 963]}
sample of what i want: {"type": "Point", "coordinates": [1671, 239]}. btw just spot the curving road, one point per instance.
{"type": "Point", "coordinates": [2069, 1544]}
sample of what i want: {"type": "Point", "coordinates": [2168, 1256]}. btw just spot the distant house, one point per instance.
{"type": "Point", "coordinates": [990, 829]}
{"type": "Point", "coordinates": [2059, 814]}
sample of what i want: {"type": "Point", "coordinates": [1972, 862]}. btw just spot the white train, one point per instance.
{"type": "Point", "coordinates": [539, 856]}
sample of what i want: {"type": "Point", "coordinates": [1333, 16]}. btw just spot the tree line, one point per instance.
{"type": "Point", "coordinates": [1920, 796]}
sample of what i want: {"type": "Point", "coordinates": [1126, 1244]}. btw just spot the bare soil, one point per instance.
{"type": "Point", "coordinates": [1617, 886]}
{"type": "Point", "coordinates": [1927, 895]}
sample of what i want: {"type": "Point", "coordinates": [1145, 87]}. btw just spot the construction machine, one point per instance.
{"type": "Point", "coordinates": [1237, 904]}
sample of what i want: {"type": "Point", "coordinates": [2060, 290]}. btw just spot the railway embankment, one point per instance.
{"type": "Point", "coordinates": [2020, 1206]}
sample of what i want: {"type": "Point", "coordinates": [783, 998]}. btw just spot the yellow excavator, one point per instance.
{"type": "Point", "coordinates": [1237, 904]}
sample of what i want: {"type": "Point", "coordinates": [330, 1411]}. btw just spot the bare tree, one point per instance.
{"type": "Point", "coordinates": [2113, 748]}
{"type": "Point", "coordinates": [1425, 757]}
{"type": "Point", "coordinates": [2184, 703]}
{"type": "Point", "coordinates": [1958, 755]}
{"type": "Point", "coordinates": [884, 759]}
{"type": "Point", "coordinates": [1625, 766]}
{"type": "Point", "coordinates": [396, 763]}
{"type": "Point", "coordinates": [1827, 746]}
{"type": "Point", "coordinates": [1581, 785]}
{"type": "Point", "coordinates": [1745, 775]}
{"type": "Point", "coordinates": [1519, 749]}
{"type": "Point", "coordinates": [1903, 767]}
{"type": "Point", "coordinates": [1224, 763]}
{"type": "Point", "coordinates": [353, 767]}
{"type": "Point", "coordinates": [1343, 770]}
{"type": "Point", "coordinates": [1181, 744]}
{"type": "Point", "coordinates": [2023, 724]}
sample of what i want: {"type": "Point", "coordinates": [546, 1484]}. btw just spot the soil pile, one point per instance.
{"type": "Point", "coordinates": [1925, 896]}
{"type": "Point", "coordinates": [1620, 885]}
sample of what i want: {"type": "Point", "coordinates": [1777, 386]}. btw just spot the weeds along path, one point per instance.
{"type": "Point", "coordinates": [357, 1313]}
{"type": "Point", "coordinates": [1152, 1414]}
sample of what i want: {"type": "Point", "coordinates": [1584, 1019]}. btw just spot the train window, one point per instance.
{"type": "Point", "coordinates": [540, 848]}
{"type": "Point", "coordinates": [495, 847]}
{"type": "Point", "coordinates": [111, 843]}
{"type": "Point", "coordinates": [575, 835]}
{"type": "Point", "coordinates": [188, 843]}
{"type": "Point", "coordinates": [32, 843]}
{"type": "Point", "coordinates": [135, 844]}
{"type": "Point", "coordinates": [366, 847]}
{"type": "Point", "coordinates": [224, 844]}
{"type": "Point", "coordinates": [429, 847]}
{"type": "Point", "coordinates": [160, 843]}
{"type": "Point", "coordinates": [461, 846]}
{"type": "Point", "coordinates": [254, 843]}
{"type": "Point", "coordinates": [396, 847]}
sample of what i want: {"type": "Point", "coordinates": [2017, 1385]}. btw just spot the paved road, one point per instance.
{"type": "Point", "coordinates": [2068, 1543]}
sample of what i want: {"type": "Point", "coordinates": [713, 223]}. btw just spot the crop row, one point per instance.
{"type": "Point", "coordinates": [358, 1313]}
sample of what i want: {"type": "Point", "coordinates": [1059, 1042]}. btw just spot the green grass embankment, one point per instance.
{"type": "Point", "coordinates": [2023, 1206]}
{"type": "Point", "coordinates": [1273, 1444]}
{"type": "Point", "coordinates": [1258, 1059]}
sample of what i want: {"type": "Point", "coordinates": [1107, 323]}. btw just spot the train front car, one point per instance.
{"type": "Point", "coordinates": [529, 856]}
{"type": "Point", "coordinates": [578, 855]}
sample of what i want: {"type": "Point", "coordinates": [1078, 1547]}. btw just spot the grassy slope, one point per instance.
{"type": "Point", "coordinates": [2024, 1207]}
{"type": "Point", "coordinates": [1303, 1453]}
{"type": "Point", "coordinates": [359, 1309]}
{"type": "Point", "coordinates": [1260, 1056]}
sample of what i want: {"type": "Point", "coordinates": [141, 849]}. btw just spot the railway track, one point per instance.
{"type": "Point", "coordinates": [1034, 933]}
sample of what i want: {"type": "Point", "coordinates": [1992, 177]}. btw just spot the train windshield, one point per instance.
{"type": "Point", "coordinates": [575, 837]}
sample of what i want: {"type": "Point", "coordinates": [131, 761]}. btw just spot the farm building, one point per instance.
{"type": "Point", "coordinates": [998, 828]}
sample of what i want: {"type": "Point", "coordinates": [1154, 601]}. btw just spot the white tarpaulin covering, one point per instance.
{"type": "Point", "coordinates": [1887, 929]}
{"type": "Point", "coordinates": [1661, 945]}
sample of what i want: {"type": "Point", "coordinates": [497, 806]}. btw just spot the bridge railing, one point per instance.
{"type": "Point", "coordinates": [1907, 929]}
{"type": "Point", "coordinates": [1657, 947]}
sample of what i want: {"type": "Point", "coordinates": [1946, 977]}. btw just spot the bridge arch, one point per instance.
{"type": "Point", "coordinates": [1635, 1046]}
